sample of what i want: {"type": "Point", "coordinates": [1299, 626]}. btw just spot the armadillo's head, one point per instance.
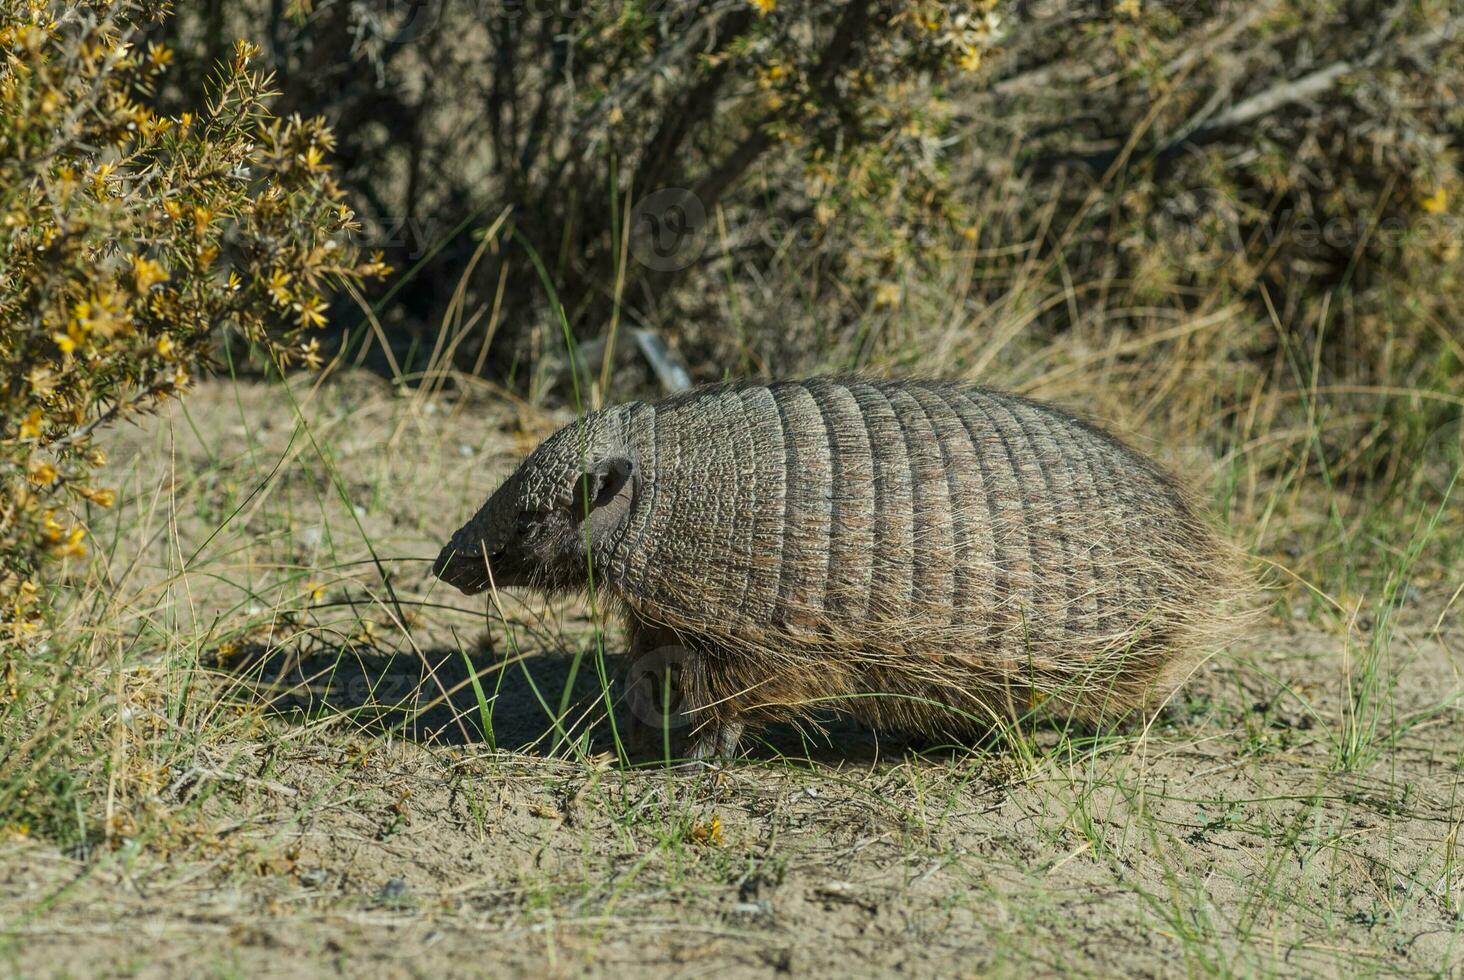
{"type": "Point", "coordinates": [569, 497]}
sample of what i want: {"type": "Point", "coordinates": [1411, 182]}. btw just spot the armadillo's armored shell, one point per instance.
{"type": "Point", "coordinates": [975, 535]}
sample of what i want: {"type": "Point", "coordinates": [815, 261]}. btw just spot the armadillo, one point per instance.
{"type": "Point", "coordinates": [928, 557]}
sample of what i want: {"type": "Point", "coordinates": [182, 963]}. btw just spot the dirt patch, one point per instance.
{"type": "Point", "coordinates": [343, 799]}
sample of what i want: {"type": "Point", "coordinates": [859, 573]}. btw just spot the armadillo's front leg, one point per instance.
{"type": "Point", "coordinates": [650, 715]}
{"type": "Point", "coordinates": [666, 686]}
{"type": "Point", "coordinates": [716, 728]}
{"type": "Point", "coordinates": [662, 688]}
{"type": "Point", "coordinates": [716, 740]}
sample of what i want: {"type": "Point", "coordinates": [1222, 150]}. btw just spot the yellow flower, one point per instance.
{"type": "Point", "coordinates": [70, 546]}
{"type": "Point", "coordinates": [764, 7]}
{"type": "Point", "coordinates": [165, 346]}
{"type": "Point", "coordinates": [1132, 9]}
{"type": "Point", "coordinates": [155, 126]}
{"type": "Point", "coordinates": [279, 280]}
{"type": "Point", "coordinates": [100, 497]}
{"type": "Point", "coordinates": [1437, 202]}
{"type": "Point", "coordinates": [375, 267]}
{"type": "Point", "coordinates": [244, 52]}
{"type": "Point", "coordinates": [312, 312]}
{"type": "Point", "coordinates": [970, 59]}
{"type": "Point", "coordinates": [888, 294]}
{"type": "Point", "coordinates": [315, 591]}
{"type": "Point", "coordinates": [69, 340]}
{"type": "Point", "coordinates": [42, 473]}
{"type": "Point", "coordinates": [147, 273]}
{"type": "Point", "coordinates": [310, 354]}
{"type": "Point", "coordinates": [313, 158]}
{"type": "Point", "coordinates": [30, 37]}
{"type": "Point", "coordinates": [30, 428]}
{"type": "Point", "coordinates": [104, 314]}
{"type": "Point", "coordinates": [158, 56]}
{"type": "Point", "coordinates": [100, 177]}
{"type": "Point", "coordinates": [706, 833]}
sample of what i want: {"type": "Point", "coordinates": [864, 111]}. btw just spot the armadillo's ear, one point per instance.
{"type": "Point", "coordinates": [606, 490]}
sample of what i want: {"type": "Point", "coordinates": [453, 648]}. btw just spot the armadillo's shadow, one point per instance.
{"type": "Point", "coordinates": [446, 696]}
{"type": "Point", "coordinates": [443, 696]}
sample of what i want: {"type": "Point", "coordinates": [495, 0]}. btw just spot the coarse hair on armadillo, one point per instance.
{"type": "Point", "coordinates": [926, 556]}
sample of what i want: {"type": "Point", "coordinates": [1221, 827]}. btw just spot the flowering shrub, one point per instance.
{"type": "Point", "coordinates": [127, 238]}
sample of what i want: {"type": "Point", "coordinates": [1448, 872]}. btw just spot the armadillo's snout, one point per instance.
{"type": "Point", "coordinates": [472, 565]}
{"type": "Point", "coordinates": [461, 568]}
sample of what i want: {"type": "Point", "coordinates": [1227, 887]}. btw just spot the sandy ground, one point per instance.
{"type": "Point", "coordinates": [329, 809]}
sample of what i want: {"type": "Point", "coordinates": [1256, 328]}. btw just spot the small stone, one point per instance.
{"type": "Point", "coordinates": [394, 892]}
